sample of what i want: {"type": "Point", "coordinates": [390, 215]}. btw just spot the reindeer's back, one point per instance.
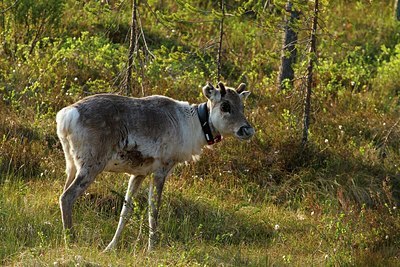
{"type": "Point", "coordinates": [110, 124]}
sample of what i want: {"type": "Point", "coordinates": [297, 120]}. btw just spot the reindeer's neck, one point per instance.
{"type": "Point", "coordinates": [194, 136]}
{"type": "Point", "coordinates": [210, 133]}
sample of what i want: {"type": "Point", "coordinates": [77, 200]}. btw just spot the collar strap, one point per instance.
{"type": "Point", "coordinates": [202, 112]}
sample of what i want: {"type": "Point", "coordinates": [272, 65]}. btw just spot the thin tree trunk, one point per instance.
{"type": "Point", "coordinates": [312, 52]}
{"type": "Point", "coordinates": [38, 34]}
{"type": "Point", "coordinates": [3, 26]}
{"type": "Point", "coordinates": [133, 42]}
{"type": "Point", "coordinates": [397, 9]}
{"type": "Point", "coordinates": [221, 34]}
{"type": "Point", "coordinates": [289, 51]}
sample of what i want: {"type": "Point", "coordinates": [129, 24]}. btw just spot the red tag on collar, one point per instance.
{"type": "Point", "coordinates": [218, 138]}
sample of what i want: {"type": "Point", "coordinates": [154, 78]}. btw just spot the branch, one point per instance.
{"type": "Point", "coordinates": [144, 38]}
{"type": "Point", "coordinates": [8, 8]}
{"type": "Point", "coordinates": [221, 34]}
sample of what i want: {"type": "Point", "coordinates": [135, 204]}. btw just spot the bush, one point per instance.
{"type": "Point", "coordinates": [388, 76]}
{"type": "Point", "coordinates": [63, 68]}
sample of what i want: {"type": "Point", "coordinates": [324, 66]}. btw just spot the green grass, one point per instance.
{"type": "Point", "coordinates": [258, 203]}
{"type": "Point", "coordinates": [267, 202]}
{"type": "Point", "coordinates": [203, 222]}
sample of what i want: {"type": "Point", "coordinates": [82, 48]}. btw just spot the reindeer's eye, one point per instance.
{"type": "Point", "coordinates": [225, 107]}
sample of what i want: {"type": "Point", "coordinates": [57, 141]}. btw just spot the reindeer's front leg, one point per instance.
{"type": "Point", "coordinates": [133, 188]}
{"type": "Point", "coordinates": [157, 185]}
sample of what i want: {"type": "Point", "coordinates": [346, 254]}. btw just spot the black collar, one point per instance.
{"type": "Point", "coordinates": [202, 112]}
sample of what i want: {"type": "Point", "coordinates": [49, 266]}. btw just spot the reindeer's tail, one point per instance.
{"type": "Point", "coordinates": [67, 120]}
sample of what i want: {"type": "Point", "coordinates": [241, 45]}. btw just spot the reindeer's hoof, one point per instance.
{"type": "Point", "coordinates": [69, 237]}
{"type": "Point", "coordinates": [109, 248]}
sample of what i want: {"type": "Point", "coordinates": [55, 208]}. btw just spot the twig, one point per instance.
{"type": "Point", "coordinates": [8, 8]}
{"type": "Point", "coordinates": [221, 34]}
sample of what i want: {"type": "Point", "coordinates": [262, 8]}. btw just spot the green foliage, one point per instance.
{"type": "Point", "coordinates": [353, 73]}
{"type": "Point", "coordinates": [30, 12]}
{"type": "Point", "coordinates": [62, 68]}
{"type": "Point", "coordinates": [388, 77]}
{"type": "Point", "coordinates": [28, 21]}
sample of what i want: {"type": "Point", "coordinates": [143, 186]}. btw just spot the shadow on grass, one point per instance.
{"type": "Point", "coordinates": [291, 171]}
{"type": "Point", "coordinates": [19, 156]}
{"type": "Point", "coordinates": [24, 148]}
{"type": "Point", "coordinates": [185, 220]}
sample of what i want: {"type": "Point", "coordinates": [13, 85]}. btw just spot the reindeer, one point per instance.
{"type": "Point", "coordinates": [140, 136]}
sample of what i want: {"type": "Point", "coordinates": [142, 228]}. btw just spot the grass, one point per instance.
{"type": "Point", "coordinates": [330, 204]}
{"type": "Point", "coordinates": [206, 230]}
{"type": "Point", "coordinates": [258, 203]}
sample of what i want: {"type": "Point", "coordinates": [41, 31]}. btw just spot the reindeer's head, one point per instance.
{"type": "Point", "coordinates": [226, 110]}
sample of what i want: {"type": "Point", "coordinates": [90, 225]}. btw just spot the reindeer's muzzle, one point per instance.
{"type": "Point", "coordinates": [245, 132]}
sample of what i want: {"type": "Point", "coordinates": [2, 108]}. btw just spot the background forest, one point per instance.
{"type": "Point", "coordinates": [272, 201]}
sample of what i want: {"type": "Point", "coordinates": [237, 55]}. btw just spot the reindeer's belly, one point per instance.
{"type": "Point", "coordinates": [132, 162]}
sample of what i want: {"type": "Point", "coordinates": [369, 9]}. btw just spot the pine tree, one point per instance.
{"type": "Point", "coordinates": [133, 41]}
{"type": "Point", "coordinates": [289, 51]}
{"type": "Point", "coordinates": [310, 68]}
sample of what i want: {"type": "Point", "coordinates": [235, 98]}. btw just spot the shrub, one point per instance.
{"type": "Point", "coordinates": [388, 76]}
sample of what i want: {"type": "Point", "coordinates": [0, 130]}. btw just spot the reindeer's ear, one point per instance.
{"type": "Point", "coordinates": [221, 86]}
{"type": "Point", "coordinates": [241, 88]}
{"type": "Point", "coordinates": [211, 93]}
{"type": "Point", "coordinates": [243, 95]}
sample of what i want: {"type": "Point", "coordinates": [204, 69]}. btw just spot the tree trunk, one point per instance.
{"type": "Point", "coordinates": [289, 51]}
{"type": "Point", "coordinates": [221, 34]}
{"type": "Point", "coordinates": [312, 52]}
{"type": "Point", "coordinates": [132, 47]}
{"type": "Point", "coordinates": [397, 9]}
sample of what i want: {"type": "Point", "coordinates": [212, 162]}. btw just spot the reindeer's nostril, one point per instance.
{"type": "Point", "coordinates": [245, 132]}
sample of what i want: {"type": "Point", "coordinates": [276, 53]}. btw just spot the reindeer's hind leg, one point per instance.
{"type": "Point", "coordinates": [155, 202]}
{"type": "Point", "coordinates": [70, 168]}
{"type": "Point", "coordinates": [133, 186]}
{"type": "Point", "coordinates": [84, 177]}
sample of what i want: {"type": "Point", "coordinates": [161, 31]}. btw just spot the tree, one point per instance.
{"type": "Point", "coordinates": [137, 51]}
{"type": "Point", "coordinates": [312, 53]}
{"type": "Point", "coordinates": [397, 9]}
{"type": "Point", "coordinates": [221, 34]}
{"type": "Point", "coordinates": [133, 45]}
{"type": "Point", "coordinates": [27, 21]}
{"type": "Point", "coordinates": [289, 51]}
